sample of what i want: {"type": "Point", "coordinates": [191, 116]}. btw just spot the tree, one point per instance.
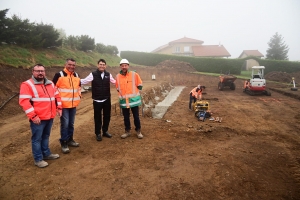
{"type": "Point", "coordinates": [113, 50]}
{"type": "Point", "coordinates": [3, 25]}
{"type": "Point", "coordinates": [20, 31]}
{"type": "Point", "coordinates": [62, 36]}
{"type": "Point", "coordinates": [86, 43]}
{"type": "Point", "coordinates": [72, 42]}
{"type": "Point", "coordinates": [48, 34]}
{"type": "Point", "coordinates": [100, 48]}
{"type": "Point", "coordinates": [278, 50]}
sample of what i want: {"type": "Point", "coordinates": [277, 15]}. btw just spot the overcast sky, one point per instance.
{"type": "Point", "coordinates": [144, 25]}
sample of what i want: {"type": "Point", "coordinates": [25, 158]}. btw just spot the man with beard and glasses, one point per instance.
{"type": "Point", "coordinates": [129, 85]}
{"type": "Point", "coordinates": [41, 102]}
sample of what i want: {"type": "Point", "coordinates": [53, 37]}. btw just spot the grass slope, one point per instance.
{"type": "Point", "coordinates": [21, 57]}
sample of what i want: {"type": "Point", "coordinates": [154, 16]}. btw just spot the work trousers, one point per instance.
{"type": "Point", "coordinates": [104, 106]}
{"type": "Point", "coordinates": [192, 99]}
{"type": "Point", "coordinates": [136, 118]}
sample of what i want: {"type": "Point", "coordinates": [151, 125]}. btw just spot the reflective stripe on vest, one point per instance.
{"type": "Point", "coordinates": [70, 99]}
{"type": "Point", "coordinates": [131, 104]}
{"type": "Point", "coordinates": [133, 83]}
{"type": "Point", "coordinates": [33, 88]}
{"type": "Point", "coordinates": [25, 96]}
{"type": "Point", "coordinates": [68, 90]}
{"type": "Point", "coordinates": [62, 74]}
{"type": "Point", "coordinates": [29, 110]}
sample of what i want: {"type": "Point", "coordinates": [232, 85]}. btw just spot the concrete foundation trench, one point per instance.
{"type": "Point", "coordinates": [155, 100]}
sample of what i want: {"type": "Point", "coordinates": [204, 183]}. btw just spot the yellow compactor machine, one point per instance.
{"type": "Point", "coordinates": [201, 109]}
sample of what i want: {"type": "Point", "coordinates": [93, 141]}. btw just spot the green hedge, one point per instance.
{"type": "Point", "coordinates": [211, 65]}
{"type": "Point", "coordinates": [277, 65]}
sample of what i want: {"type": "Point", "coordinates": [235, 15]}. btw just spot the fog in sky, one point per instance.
{"type": "Point", "coordinates": [144, 25]}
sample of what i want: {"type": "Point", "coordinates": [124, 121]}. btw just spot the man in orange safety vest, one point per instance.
{"type": "Point", "coordinates": [68, 84]}
{"type": "Point", "coordinates": [196, 93]}
{"type": "Point", "coordinates": [128, 84]}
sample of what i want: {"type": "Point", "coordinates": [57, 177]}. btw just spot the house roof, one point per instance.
{"type": "Point", "coordinates": [210, 51]}
{"type": "Point", "coordinates": [251, 53]}
{"type": "Point", "coordinates": [186, 40]}
{"type": "Point", "coordinates": [159, 48]}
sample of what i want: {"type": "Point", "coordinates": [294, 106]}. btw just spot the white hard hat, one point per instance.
{"type": "Point", "coordinates": [124, 61]}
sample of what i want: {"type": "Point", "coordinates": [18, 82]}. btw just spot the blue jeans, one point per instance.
{"type": "Point", "coordinates": [136, 118]}
{"type": "Point", "coordinates": [67, 123]}
{"type": "Point", "coordinates": [40, 139]}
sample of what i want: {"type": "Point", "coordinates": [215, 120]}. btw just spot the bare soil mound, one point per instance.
{"type": "Point", "coordinates": [283, 76]}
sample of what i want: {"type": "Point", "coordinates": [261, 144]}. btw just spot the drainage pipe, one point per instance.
{"type": "Point", "coordinates": [8, 100]}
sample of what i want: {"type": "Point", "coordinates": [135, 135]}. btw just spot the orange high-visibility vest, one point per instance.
{"type": "Point", "coordinates": [68, 85]}
{"type": "Point", "coordinates": [194, 93]}
{"type": "Point", "coordinates": [127, 86]}
{"type": "Point", "coordinates": [38, 99]}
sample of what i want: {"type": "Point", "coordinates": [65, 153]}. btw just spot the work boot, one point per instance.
{"type": "Point", "coordinates": [72, 143]}
{"type": "Point", "coordinates": [41, 164]}
{"type": "Point", "coordinates": [126, 134]}
{"type": "Point", "coordinates": [139, 134]}
{"type": "Point", "coordinates": [107, 134]}
{"type": "Point", "coordinates": [51, 157]}
{"type": "Point", "coordinates": [64, 147]}
{"type": "Point", "coordinates": [98, 137]}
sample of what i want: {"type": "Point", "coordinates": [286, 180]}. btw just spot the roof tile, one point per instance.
{"type": "Point", "coordinates": [210, 51]}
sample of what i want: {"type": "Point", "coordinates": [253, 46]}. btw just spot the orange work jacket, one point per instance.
{"type": "Point", "coordinates": [39, 99]}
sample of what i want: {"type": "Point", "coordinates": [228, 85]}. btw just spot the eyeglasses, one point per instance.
{"type": "Point", "coordinates": [39, 71]}
{"type": "Point", "coordinates": [72, 65]}
{"type": "Point", "coordinates": [102, 64]}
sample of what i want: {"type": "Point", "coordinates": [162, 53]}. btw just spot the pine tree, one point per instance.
{"type": "Point", "coordinates": [278, 50]}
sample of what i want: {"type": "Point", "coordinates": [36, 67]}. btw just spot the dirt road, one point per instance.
{"type": "Point", "coordinates": [254, 153]}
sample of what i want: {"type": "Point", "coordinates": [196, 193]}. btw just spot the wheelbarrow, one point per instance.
{"type": "Point", "coordinates": [226, 81]}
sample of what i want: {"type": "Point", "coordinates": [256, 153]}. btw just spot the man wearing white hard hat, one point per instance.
{"type": "Point", "coordinates": [129, 84]}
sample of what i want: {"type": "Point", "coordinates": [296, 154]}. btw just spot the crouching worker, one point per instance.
{"type": "Point", "coordinates": [41, 101]}
{"type": "Point", "coordinates": [196, 93]}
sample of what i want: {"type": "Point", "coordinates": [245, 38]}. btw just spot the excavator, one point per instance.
{"type": "Point", "coordinates": [257, 84]}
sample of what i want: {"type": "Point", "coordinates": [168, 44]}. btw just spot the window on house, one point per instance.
{"type": "Point", "coordinates": [186, 49]}
{"type": "Point", "coordinates": [177, 49]}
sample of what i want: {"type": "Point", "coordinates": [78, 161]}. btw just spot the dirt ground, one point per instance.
{"type": "Point", "coordinates": [254, 153]}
